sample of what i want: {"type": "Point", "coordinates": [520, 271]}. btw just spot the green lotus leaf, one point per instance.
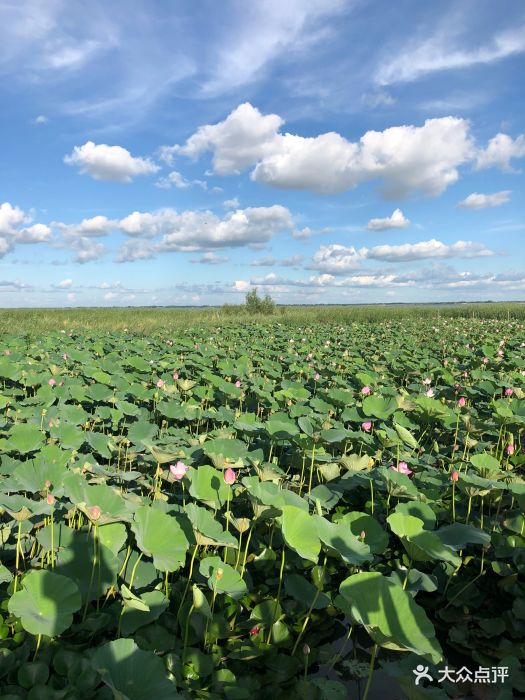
{"type": "Point", "coordinates": [375, 536]}
{"type": "Point", "coordinates": [133, 619]}
{"type": "Point", "coordinates": [223, 578]}
{"type": "Point", "coordinates": [300, 532]}
{"type": "Point", "coordinates": [131, 673]}
{"type": "Point", "coordinates": [161, 537]}
{"type": "Point", "coordinates": [208, 485]}
{"type": "Point", "coordinates": [378, 407]}
{"type": "Point", "coordinates": [46, 603]}
{"type": "Point", "coordinates": [341, 539]}
{"type": "Point", "coordinates": [25, 438]}
{"type": "Point", "coordinates": [391, 616]}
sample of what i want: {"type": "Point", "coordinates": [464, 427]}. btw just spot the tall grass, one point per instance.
{"type": "Point", "coordinates": [146, 321]}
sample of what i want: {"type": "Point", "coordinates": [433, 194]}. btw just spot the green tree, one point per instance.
{"type": "Point", "coordinates": [255, 305]}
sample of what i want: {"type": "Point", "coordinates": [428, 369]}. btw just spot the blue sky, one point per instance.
{"type": "Point", "coordinates": [324, 151]}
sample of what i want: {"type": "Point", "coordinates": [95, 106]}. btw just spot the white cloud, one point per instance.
{"type": "Point", "coordinates": [305, 232]}
{"type": "Point", "coordinates": [231, 203]}
{"type": "Point", "coordinates": [242, 139]}
{"type": "Point", "coordinates": [103, 162]}
{"type": "Point", "coordinates": [482, 201]}
{"type": "Point", "coordinates": [438, 53]}
{"type": "Point", "coordinates": [14, 228]}
{"type": "Point", "coordinates": [71, 296]}
{"type": "Point", "coordinates": [396, 220]}
{"type": "Point", "coordinates": [41, 119]}
{"type": "Point", "coordinates": [500, 151]}
{"type": "Point", "coordinates": [193, 230]}
{"type": "Point", "coordinates": [261, 33]}
{"type": "Point", "coordinates": [134, 250]}
{"type": "Point", "coordinates": [87, 249]}
{"type": "Point", "coordinates": [210, 258]}
{"type": "Point", "coordinates": [65, 284]}
{"type": "Point", "coordinates": [241, 286]}
{"type": "Point", "coordinates": [176, 179]}
{"type": "Point", "coordinates": [405, 159]}
{"type": "Point", "coordinates": [338, 259]}
{"type": "Point", "coordinates": [427, 249]}
{"type": "Point", "coordinates": [95, 227]}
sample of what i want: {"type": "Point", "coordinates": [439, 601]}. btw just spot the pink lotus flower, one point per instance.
{"type": "Point", "coordinates": [230, 476]}
{"type": "Point", "coordinates": [160, 384]}
{"type": "Point", "coordinates": [510, 449]}
{"type": "Point", "coordinates": [175, 375]}
{"type": "Point", "coordinates": [238, 384]}
{"type": "Point", "coordinates": [509, 391]}
{"type": "Point", "coordinates": [95, 513]}
{"type": "Point", "coordinates": [454, 476]}
{"type": "Point", "coordinates": [50, 499]}
{"type": "Point", "coordinates": [365, 390]}
{"type": "Point", "coordinates": [500, 353]}
{"type": "Point", "coordinates": [51, 382]}
{"type": "Point", "coordinates": [255, 630]}
{"type": "Point", "coordinates": [367, 425]}
{"type": "Point", "coordinates": [461, 401]}
{"type": "Point", "coordinates": [485, 360]}
{"type": "Point", "coordinates": [317, 376]}
{"type": "Point", "coordinates": [178, 470]}
{"type": "Point", "coordinates": [430, 393]}
{"type": "Point", "coordinates": [402, 468]}
{"type": "Point", "coordinates": [64, 356]}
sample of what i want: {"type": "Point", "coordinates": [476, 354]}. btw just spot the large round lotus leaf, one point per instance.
{"type": "Point", "coordinates": [132, 674]}
{"type": "Point", "coordinates": [379, 407]}
{"type": "Point", "coordinates": [300, 532]}
{"type": "Point", "coordinates": [225, 452]}
{"type": "Point", "coordinates": [342, 540]}
{"type": "Point", "coordinates": [485, 463]}
{"type": "Point", "coordinates": [160, 536]}
{"type": "Point", "coordinates": [133, 619]}
{"type": "Point", "coordinates": [299, 588]}
{"type": "Point", "coordinates": [208, 485]}
{"type": "Point", "coordinates": [68, 435]}
{"type": "Point", "coordinates": [222, 577]}
{"type": "Point", "coordinates": [421, 545]}
{"type": "Point", "coordinates": [391, 616]}
{"type": "Point", "coordinates": [33, 474]}
{"type": "Point", "coordinates": [76, 562]}
{"type": "Point", "coordinates": [46, 603]}
{"type": "Point", "coordinates": [24, 438]}
{"type": "Point", "coordinates": [375, 536]}
{"type": "Point", "coordinates": [207, 527]}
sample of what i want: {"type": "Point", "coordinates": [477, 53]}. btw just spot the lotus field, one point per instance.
{"type": "Point", "coordinates": [263, 510]}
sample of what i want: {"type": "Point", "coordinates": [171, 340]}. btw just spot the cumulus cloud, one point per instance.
{"type": "Point", "coordinates": [65, 284]}
{"type": "Point", "coordinates": [210, 258]}
{"type": "Point", "coordinates": [396, 220]}
{"type": "Point", "coordinates": [103, 162]}
{"type": "Point", "coordinates": [242, 139]}
{"type": "Point", "coordinates": [41, 119]}
{"type": "Point", "coordinates": [338, 259]}
{"type": "Point", "coordinates": [86, 249]}
{"type": "Point", "coordinates": [95, 227]}
{"type": "Point", "coordinates": [500, 151]}
{"type": "Point", "coordinates": [405, 159]}
{"type": "Point", "coordinates": [482, 201]}
{"type": "Point", "coordinates": [270, 261]}
{"type": "Point", "coordinates": [176, 179]}
{"type": "Point", "coordinates": [231, 203]}
{"type": "Point", "coordinates": [16, 227]}
{"type": "Point", "coordinates": [305, 232]}
{"type": "Point", "coordinates": [134, 250]}
{"type": "Point", "coordinates": [193, 230]}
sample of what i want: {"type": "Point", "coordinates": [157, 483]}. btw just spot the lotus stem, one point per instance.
{"type": "Point", "coordinates": [370, 673]}
{"type": "Point", "coordinates": [283, 554]}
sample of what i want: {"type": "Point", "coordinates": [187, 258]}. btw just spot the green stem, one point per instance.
{"type": "Point", "coordinates": [283, 553]}
{"type": "Point", "coordinates": [370, 673]}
